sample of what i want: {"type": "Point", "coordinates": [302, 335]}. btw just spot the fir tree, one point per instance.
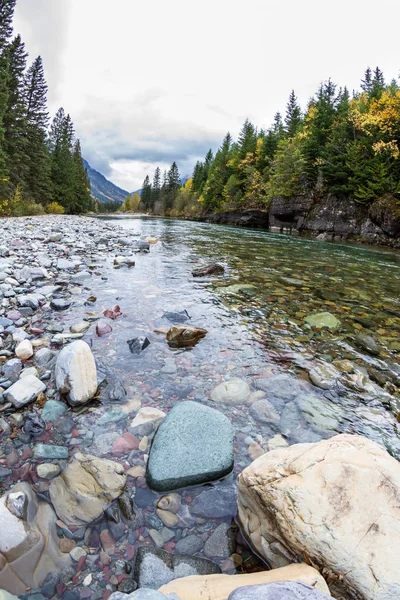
{"type": "Point", "coordinates": [366, 83]}
{"type": "Point", "coordinates": [39, 167]}
{"type": "Point", "coordinates": [146, 193]}
{"type": "Point", "coordinates": [62, 165]}
{"type": "Point", "coordinates": [82, 197]}
{"type": "Point", "coordinates": [156, 188]}
{"type": "Point", "coordinates": [15, 116]}
{"type": "Point", "coordinates": [247, 139]}
{"type": "Point", "coordinates": [293, 116]}
{"type": "Point", "coordinates": [6, 16]}
{"type": "Point", "coordinates": [172, 186]}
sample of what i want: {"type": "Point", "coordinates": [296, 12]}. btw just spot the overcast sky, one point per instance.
{"type": "Point", "coordinates": [152, 81]}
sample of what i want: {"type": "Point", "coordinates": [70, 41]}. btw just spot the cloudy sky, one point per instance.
{"type": "Point", "coordinates": [152, 81]}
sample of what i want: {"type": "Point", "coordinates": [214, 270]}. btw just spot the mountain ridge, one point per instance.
{"type": "Point", "coordinates": [103, 189]}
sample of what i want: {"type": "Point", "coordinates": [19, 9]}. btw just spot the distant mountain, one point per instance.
{"type": "Point", "coordinates": [102, 189]}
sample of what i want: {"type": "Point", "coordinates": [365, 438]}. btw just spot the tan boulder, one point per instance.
{"type": "Point", "coordinates": [86, 488]}
{"type": "Point", "coordinates": [336, 502]}
{"type": "Point", "coordinates": [218, 587]}
{"type": "Point", "coordinates": [28, 541]}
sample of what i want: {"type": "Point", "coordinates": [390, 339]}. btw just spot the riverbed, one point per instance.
{"type": "Point", "coordinates": [319, 380]}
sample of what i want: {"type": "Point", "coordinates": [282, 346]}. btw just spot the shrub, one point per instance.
{"type": "Point", "coordinates": [55, 209]}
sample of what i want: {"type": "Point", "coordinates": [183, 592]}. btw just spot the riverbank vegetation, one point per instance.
{"type": "Point", "coordinates": [41, 170]}
{"type": "Point", "coordinates": [344, 144]}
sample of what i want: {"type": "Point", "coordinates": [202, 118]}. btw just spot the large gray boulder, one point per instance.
{"type": "Point", "coordinates": [334, 501]}
{"type": "Point", "coordinates": [193, 444]}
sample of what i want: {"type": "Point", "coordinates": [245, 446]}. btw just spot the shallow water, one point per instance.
{"type": "Point", "coordinates": [257, 334]}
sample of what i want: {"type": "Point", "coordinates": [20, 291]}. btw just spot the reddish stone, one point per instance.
{"type": "Point", "coordinates": [169, 546]}
{"type": "Point", "coordinates": [107, 541]}
{"type": "Point", "coordinates": [124, 444]}
{"type": "Point", "coordinates": [24, 472]}
{"type": "Point", "coordinates": [74, 433]}
{"type": "Point", "coordinates": [81, 562]}
{"type": "Point", "coordinates": [60, 587]}
{"type": "Point", "coordinates": [121, 577]}
{"type": "Point", "coordinates": [27, 452]}
{"type": "Point", "coordinates": [103, 328]}
{"type": "Point", "coordinates": [113, 313]}
{"type": "Point", "coordinates": [36, 331]}
{"type": "Point", "coordinates": [106, 595]}
{"type": "Point", "coordinates": [75, 579]}
{"type": "Point", "coordinates": [130, 551]}
{"type": "Point", "coordinates": [12, 458]}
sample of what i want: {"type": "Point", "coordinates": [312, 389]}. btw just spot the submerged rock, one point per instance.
{"type": "Point", "coordinates": [138, 344]}
{"type": "Point", "coordinates": [182, 336]}
{"type": "Point", "coordinates": [193, 444]}
{"type": "Point", "coordinates": [233, 392]}
{"type": "Point", "coordinates": [344, 491]}
{"type": "Point", "coordinates": [210, 269]}
{"type": "Point", "coordinates": [86, 488]}
{"type": "Point", "coordinates": [177, 316]}
{"type": "Point", "coordinates": [367, 342]}
{"type": "Point", "coordinates": [76, 373]}
{"type": "Point", "coordinates": [322, 320]}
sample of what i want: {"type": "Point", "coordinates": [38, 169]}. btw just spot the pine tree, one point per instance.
{"type": "Point", "coordinates": [82, 197]}
{"type": "Point", "coordinates": [156, 188]}
{"type": "Point", "coordinates": [146, 193]}
{"type": "Point", "coordinates": [218, 175]}
{"type": "Point", "coordinates": [293, 116]}
{"type": "Point", "coordinates": [173, 183]}
{"type": "Point", "coordinates": [378, 84]}
{"type": "Point", "coordinates": [6, 15]}
{"type": "Point", "coordinates": [39, 167]}
{"type": "Point", "coordinates": [247, 140]}
{"type": "Point", "coordinates": [15, 116]}
{"type": "Point", "coordinates": [366, 83]}
{"type": "Point", "coordinates": [62, 163]}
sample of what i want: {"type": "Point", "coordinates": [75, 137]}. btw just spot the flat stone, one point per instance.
{"type": "Point", "coordinates": [190, 544]}
{"type": "Point", "coordinates": [218, 587]}
{"type": "Point", "coordinates": [50, 452]}
{"type": "Point", "coordinates": [24, 391]}
{"type": "Point", "coordinates": [193, 444]}
{"type": "Point", "coordinates": [52, 410]}
{"type": "Point", "coordinates": [147, 414]}
{"type": "Point", "coordinates": [155, 567]}
{"type": "Point", "coordinates": [367, 342]}
{"type": "Point", "coordinates": [80, 327]}
{"type": "Point", "coordinates": [221, 543]}
{"type": "Point", "coordinates": [216, 502]}
{"type": "Point", "coordinates": [282, 590]}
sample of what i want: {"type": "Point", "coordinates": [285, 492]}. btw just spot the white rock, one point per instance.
{"type": "Point", "coordinates": [336, 502]}
{"type": "Point", "coordinates": [29, 371]}
{"type": "Point", "coordinates": [25, 390]}
{"type": "Point", "coordinates": [76, 374]}
{"type": "Point", "coordinates": [77, 553]}
{"type": "Point", "coordinates": [47, 470]}
{"type": "Point", "coordinates": [24, 350]}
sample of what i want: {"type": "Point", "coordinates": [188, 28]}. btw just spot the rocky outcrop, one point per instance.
{"type": "Point", "coordinates": [248, 218]}
{"type": "Point", "coordinates": [335, 502]}
{"type": "Point", "coordinates": [28, 541]}
{"type": "Point", "coordinates": [86, 488]}
{"type": "Point", "coordinates": [219, 587]}
{"type": "Point", "coordinates": [328, 217]}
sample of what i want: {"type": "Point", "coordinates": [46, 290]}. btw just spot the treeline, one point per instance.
{"type": "Point", "coordinates": [40, 170]}
{"type": "Point", "coordinates": [344, 144]}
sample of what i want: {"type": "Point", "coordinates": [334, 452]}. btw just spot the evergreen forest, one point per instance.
{"type": "Point", "coordinates": [345, 144]}
{"type": "Point", "coordinates": [41, 168]}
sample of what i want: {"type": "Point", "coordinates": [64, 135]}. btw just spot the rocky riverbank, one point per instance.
{"type": "Point", "coordinates": [327, 218]}
{"type": "Point", "coordinates": [108, 486]}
